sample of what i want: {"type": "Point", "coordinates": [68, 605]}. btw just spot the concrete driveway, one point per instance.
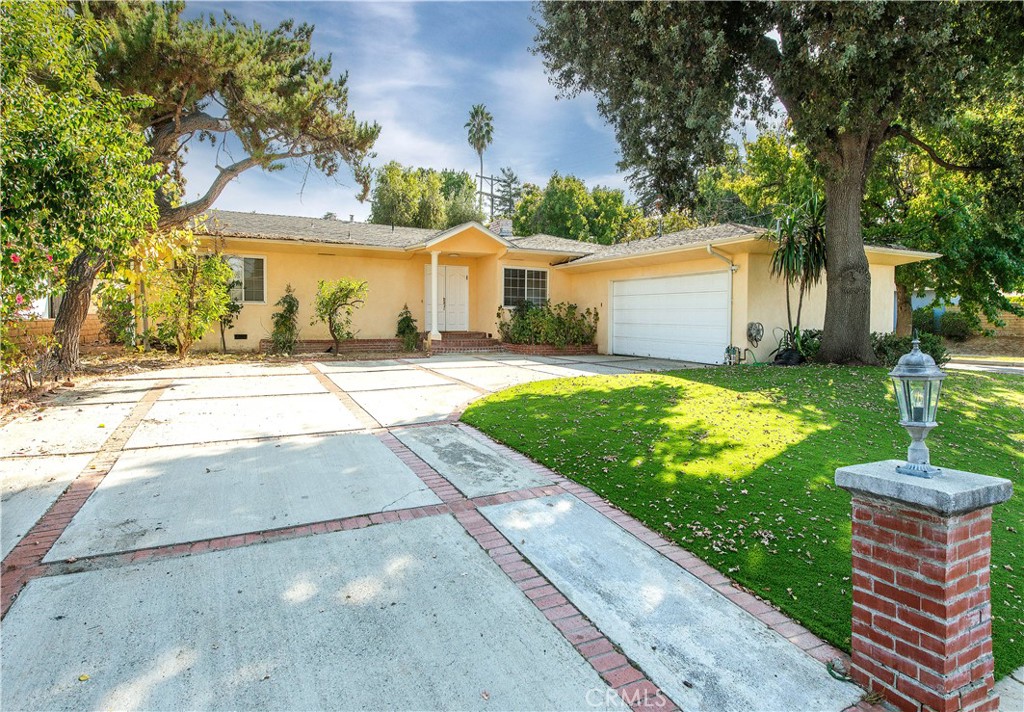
{"type": "Point", "coordinates": [328, 536]}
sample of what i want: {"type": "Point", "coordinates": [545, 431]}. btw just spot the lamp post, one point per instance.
{"type": "Point", "coordinates": [917, 381]}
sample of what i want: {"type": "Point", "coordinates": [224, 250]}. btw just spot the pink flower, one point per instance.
{"type": "Point", "coordinates": [49, 258]}
{"type": "Point", "coordinates": [15, 259]}
{"type": "Point", "coordinates": [19, 299]}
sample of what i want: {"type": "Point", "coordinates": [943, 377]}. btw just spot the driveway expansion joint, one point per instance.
{"type": "Point", "coordinates": [453, 379]}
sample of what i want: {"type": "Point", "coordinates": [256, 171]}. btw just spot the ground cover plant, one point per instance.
{"type": "Point", "coordinates": [737, 464]}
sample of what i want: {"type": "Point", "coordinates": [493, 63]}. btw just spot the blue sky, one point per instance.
{"type": "Point", "coordinates": [416, 69]}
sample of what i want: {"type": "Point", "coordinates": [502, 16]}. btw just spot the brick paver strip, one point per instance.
{"type": "Point", "coordinates": [24, 562]}
{"type": "Point", "coordinates": [588, 641]}
{"type": "Point", "coordinates": [364, 418]}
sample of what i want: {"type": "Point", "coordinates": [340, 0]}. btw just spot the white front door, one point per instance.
{"type": "Point", "coordinates": [452, 297]}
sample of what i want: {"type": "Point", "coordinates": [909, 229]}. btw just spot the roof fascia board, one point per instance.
{"type": "Point", "coordinates": [898, 252]}
{"type": "Point", "coordinates": [544, 251]}
{"type": "Point", "coordinates": [300, 241]}
{"type": "Point", "coordinates": [703, 245]}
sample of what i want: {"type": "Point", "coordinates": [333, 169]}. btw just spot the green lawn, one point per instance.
{"type": "Point", "coordinates": [737, 465]}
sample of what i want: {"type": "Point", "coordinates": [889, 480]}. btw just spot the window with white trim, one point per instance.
{"type": "Point", "coordinates": [250, 279]}
{"type": "Point", "coordinates": [525, 285]}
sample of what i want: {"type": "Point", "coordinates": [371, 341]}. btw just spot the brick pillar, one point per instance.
{"type": "Point", "coordinates": [922, 621]}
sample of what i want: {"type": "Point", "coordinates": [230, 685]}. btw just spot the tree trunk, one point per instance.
{"type": "Point", "coordinates": [481, 200]}
{"type": "Point", "coordinates": [846, 337]}
{"type": "Point", "coordinates": [74, 308]}
{"type": "Point", "coordinates": [789, 309]}
{"type": "Point", "coordinates": [904, 311]}
{"type": "Point", "coordinates": [145, 316]}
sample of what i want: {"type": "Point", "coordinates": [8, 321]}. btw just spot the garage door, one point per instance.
{"type": "Point", "coordinates": [684, 318]}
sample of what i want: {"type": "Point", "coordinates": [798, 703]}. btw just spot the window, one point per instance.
{"type": "Point", "coordinates": [251, 278]}
{"type": "Point", "coordinates": [525, 285]}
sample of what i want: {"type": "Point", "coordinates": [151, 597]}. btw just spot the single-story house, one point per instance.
{"type": "Point", "coordinates": [685, 295]}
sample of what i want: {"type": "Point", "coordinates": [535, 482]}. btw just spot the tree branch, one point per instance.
{"type": "Point", "coordinates": [165, 136]}
{"type": "Point", "coordinates": [176, 216]}
{"type": "Point", "coordinates": [897, 130]}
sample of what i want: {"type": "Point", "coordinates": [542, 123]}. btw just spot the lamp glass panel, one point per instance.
{"type": "Point", "coordinates": [935, 386]}
{"type": "Point", "coordinates": [902, 397]}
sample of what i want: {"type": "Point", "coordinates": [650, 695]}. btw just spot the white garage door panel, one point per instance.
{"type": "Point", "coordinates": [662, 348]}
{"type": "Point", "coordinates": [672, 333]}
{"type": "Point", "coordinates": [672, 317]}
{"type": "Point", "coordinates": [685, 317]}
{"type": "Point", "coordinates": [688, 284]}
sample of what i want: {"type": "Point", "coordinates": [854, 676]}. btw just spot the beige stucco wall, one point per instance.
{"type": "Point", "coordinates": [394, 279]}
{"type": "Point", "coordinates": [391, 281]}
{"type": "Point", "coordinates": [397, 278]}
{"type": "Point", "coordinates": [766, 304]}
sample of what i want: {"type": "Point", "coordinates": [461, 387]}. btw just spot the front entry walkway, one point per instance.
{"type": "Point", "coordinates": [328, 536]}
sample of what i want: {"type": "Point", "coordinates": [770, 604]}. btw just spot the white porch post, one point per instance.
{"type": "Point", "coordinates": [435, 335]}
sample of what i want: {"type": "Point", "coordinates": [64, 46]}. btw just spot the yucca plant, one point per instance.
{"type": "Point", "coordinates": [799, 258]}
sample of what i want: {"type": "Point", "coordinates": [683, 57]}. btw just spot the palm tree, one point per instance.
{"type": "Point", "coordinates": [481, 131]}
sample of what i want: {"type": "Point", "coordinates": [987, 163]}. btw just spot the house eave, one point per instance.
{"type": "Point", "coordinates": [277, 240]}
{"type": "Point", "coordinates": [601, 262]}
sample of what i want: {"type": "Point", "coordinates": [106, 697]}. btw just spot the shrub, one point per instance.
{"type": "Point", "coordinates": [116, 312]}
{"type": "Point", "coordinates": [335, 302]}
{"type": "Point", "coordinates": [286, 323]}
{"type": "Point", "coordinates": [889, 347]}
{"type": "Point", "coordinates": [193, 297]}
{"type": "Point", "coordinates": [924, 320]}
{"type": "Point", "coordinates": [560, 325]}
{"type": "Point", "coordinates": [810, 343]}
{"type": "Point", "coordinates": [23, 355]}
{"type": "Point", "coordinates": [227, 322]}
{"type": "Point", "coordinates": [954, 325]}
{"type": "Point", "coordinates": [407, 330]}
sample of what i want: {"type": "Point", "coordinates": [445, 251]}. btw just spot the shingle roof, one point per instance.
{"type": "Point", "coordinates": [551, 243]}
{"type": "Point", "coordinates": [228, 223]}
{"type": "Point", "coordinates": [672, 240]}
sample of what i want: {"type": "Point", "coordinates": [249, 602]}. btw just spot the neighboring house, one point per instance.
{"type": "Point", "coordinates": [686, 295]}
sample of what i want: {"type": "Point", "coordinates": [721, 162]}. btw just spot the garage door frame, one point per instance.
{"type": "Point", "coordinates": [730, 271]}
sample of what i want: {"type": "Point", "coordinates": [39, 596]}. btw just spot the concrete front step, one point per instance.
{"type": "Point", "coordinates": [463, 335]}
{"type": "Point", "coordinates": [443, 348]}
{"type": "Point", "coordinates": [467, 342]}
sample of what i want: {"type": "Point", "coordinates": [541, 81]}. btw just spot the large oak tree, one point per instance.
{"type": "Point", "coordinates": [209, 78]}
{"type": "Point", "coordinates": [673, 77]}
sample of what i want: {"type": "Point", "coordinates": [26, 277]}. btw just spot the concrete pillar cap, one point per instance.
{"type": "Point", "coordinates": [950, 492]}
